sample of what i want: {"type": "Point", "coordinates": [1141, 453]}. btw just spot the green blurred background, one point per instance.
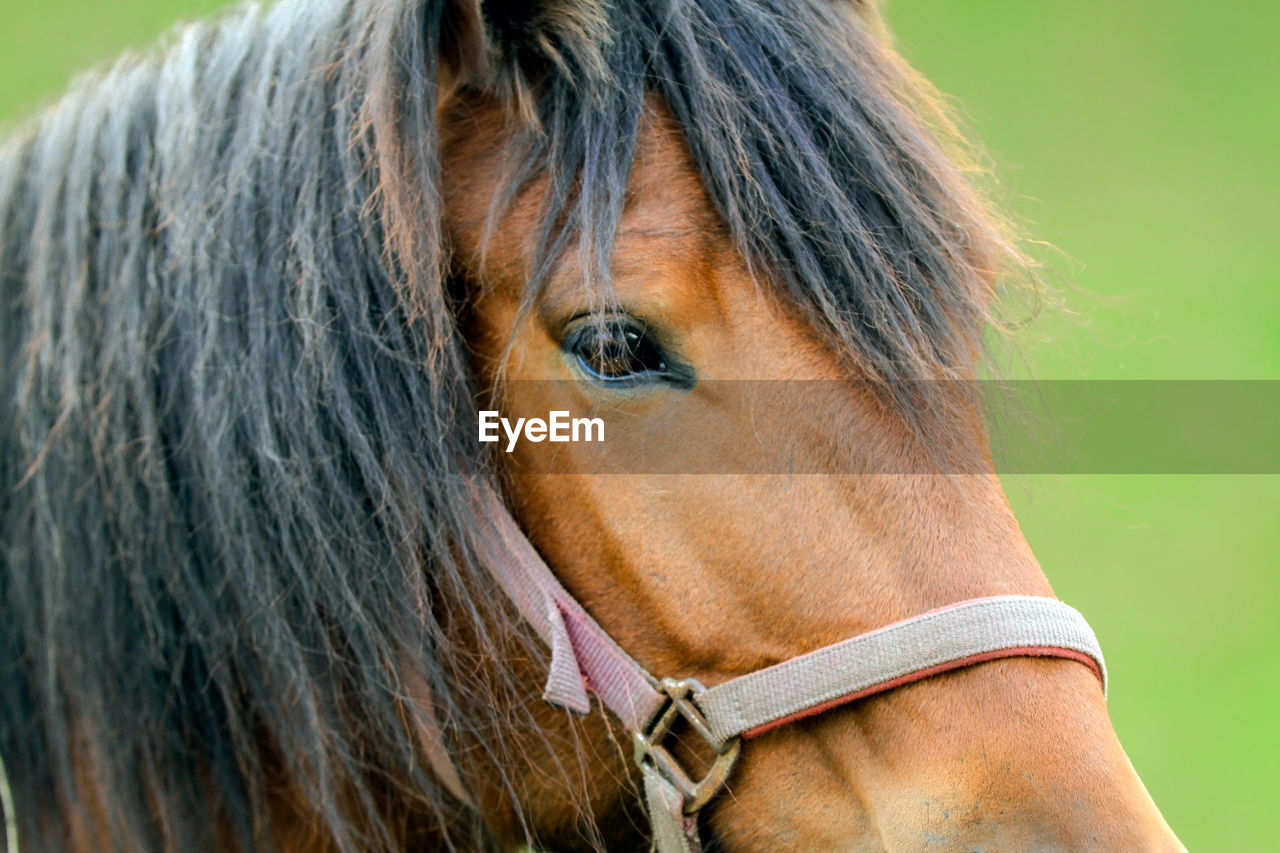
{"type": "Point", "coordinates": [1141, 141]}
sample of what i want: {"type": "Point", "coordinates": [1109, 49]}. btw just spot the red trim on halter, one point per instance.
{"type": "Point", "coordinates": [920, 675]}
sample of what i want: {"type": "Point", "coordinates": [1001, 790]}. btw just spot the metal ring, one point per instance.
{"type": "Point", "coordinates": [650, 754]}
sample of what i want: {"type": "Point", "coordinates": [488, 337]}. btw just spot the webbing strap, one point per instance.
{"type": "Point", "coordinates": [582, 653]}
{"type": "Point", "coordinates": [673, 830]}
{"type": "Point", "coordinates": [960, 635]}
{"type": "Point", "coordinates": [584, 656]}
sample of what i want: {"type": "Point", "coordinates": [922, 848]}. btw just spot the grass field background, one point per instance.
{"type": "Point", "coordinates": [1141, 140]}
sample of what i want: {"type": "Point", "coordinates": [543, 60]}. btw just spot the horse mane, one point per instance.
{"type": "Point", "coordinates": [237, 411]}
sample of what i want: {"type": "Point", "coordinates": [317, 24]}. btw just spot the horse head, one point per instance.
{"type": "Point", "coordinates": [257, 291]}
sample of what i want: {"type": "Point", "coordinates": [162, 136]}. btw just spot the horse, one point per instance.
{"type": "Point", "coordinates": [258, 284]}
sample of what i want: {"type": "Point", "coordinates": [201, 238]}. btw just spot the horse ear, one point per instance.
{"type": "Point", "coordinates": [464, 46]}
{"type": "Point", "coordinates": [486, 40]}
{"type": "Point", "coordinates": [869, 13]}
{"type": "Point", "coordinates": [869, 9]}
{"type": "Point", "coordinates": [514, 24]}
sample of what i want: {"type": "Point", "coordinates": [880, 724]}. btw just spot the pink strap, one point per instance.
{"type": "Point", "coordinates": [582, 653]}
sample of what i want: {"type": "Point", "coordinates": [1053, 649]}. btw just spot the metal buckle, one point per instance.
{"type": "Point", "coordinates": [650, 753]}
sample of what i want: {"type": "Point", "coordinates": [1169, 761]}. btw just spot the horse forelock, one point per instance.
{"type": "Point", "coordinates": [837, 169]}
{"type": "Point", "coordinates": [235, 399]}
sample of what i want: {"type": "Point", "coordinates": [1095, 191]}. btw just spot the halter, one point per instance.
{"type": "Point", "coordinates": [583, 656]}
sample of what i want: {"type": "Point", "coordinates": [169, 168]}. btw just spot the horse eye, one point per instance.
{"type": "Point", "coordinates": [617, 351]}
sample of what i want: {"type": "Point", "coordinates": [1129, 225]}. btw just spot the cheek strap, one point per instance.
{"type": "Point", "coordinates": [584, 657]}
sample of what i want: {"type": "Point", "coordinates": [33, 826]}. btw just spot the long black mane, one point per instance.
{"type": "Point", "coordinates": [235, 409]}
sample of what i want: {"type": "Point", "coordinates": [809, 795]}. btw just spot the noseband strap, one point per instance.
{"type": "Point", "coordinates": [584, 656]}
{"type": "Point", "coordinates": [963, 634]}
